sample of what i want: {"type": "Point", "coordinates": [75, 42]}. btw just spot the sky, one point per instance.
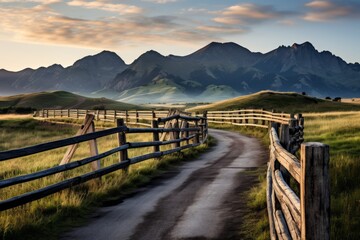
{"type": "Point", "coordinates": [36, 33]}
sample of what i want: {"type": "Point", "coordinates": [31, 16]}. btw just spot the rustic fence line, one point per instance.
{"type": "Point", "coordinates": [141, 118]}
{"type": "Point", "coordinates": [298, 198]}
{"type": "Point", "coordinates": [181, 131]}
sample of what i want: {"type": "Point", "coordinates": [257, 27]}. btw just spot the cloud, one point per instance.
{"type": "Point", "coordinates": [218, 29]}
{"type": "Point", "coordinates": [43, 25]}
{"type": "Point", "coordinates": [248, 13]}
{"type": "Point", "coordinates": [110, 7]}
{"type": "Point", "coordinates": [46, 2]}
{"type": "Point", "coordinates": [160, 1]}
{"type": "Point", "coordinates": [319, 4]}
{"type": "Point", "coordinates": [322, 11]}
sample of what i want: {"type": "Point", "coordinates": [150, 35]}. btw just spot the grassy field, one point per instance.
{"type": "Point", "coordinates": [62, 100]}
{"type": "Point", "coordinates": [46, 218]}
{"type": "Point", "coordinates": [280, 102]}
{"type": "Point", "coordinates": [341, 131]}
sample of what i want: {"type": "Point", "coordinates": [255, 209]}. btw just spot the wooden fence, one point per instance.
{"type": "Point", "coordinates": [298, 198]}
{"type": "Point", "coordinates": [141, 118]}
{"type": "Point", "coordinates": [179, 131]}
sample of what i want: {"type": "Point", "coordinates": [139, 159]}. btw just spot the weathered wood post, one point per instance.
{"type": "Point", "coordinates": [292, 129]}
{"type": "Point", "coordinates": [246, 117]}
{"type": "Point", "coordinates": [153, 115]}
{"type": "Point", "coordinates": [205, 127]}
{"type": "Point", "coordinates": [136, 116]}
{"type": "Point", "coordinates": [93, 147]}
{"type": "Point", "coordinates": [77, 113]}
{"type": "Point", "coordinates": [105, 114]}
{"type": "Point", "coordinates": [114, 115]}
{"type": "Point", "coordinates": [155, 124]}
{"type": "Point", "coordinates": [187, 132]}
{"type": "Point", "coordinates": [263, 122]}
{"type": "Point", "coordinates": [197, 134]}
{"type": "Point", "coordinates": [123, 155]}
{"type": "Point", "coordinates": [176, 133]}
{"type": "Point", "coordinates": [315, 191]}
{"type": "Point", "coordinates": [126, 117]}
{"type": "Point", "coordinates": [68, 112]}
{"type": "Point", "coordinates": [285, 142]}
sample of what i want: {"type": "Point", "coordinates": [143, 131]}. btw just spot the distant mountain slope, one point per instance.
{"type": "Point", "coordinates": [62, 100]}
{"type": "Point", "coordinates": [278, 101]}
{"type": "Point", "coordinates": [214, 72]}
{"type": "Point", "coordinates": [86, 75]}
{"type": "Point", "coordinates": [298, 68]}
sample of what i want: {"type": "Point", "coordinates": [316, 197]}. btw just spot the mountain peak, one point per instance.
{"type": "Point", "coordinates": [151, 56]}
{"type": "Point", "coordinates": [103, 58]}
{"type": "Point", "coordinates": [305, 45]}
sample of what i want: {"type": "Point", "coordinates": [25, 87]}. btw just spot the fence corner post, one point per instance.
{"type": "Point", "coordinates": [315, 191]}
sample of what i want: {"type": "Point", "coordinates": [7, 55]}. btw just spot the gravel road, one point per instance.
{"type": "Point", "coordinates": [200, 201]}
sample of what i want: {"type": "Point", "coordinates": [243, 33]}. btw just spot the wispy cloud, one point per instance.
{"type": "Point", "coordinates": [160, 1]}
{"type": "Point", "coordinates": [248, 13]}
{"type": "Point", "coordinates": [43, 24]}
{"type": "Point", "coordinates": [111, 7]}
{"type": "Point", "coordinates": [322, 11]}
{"type": "Point", "coordinates": [221, 29]}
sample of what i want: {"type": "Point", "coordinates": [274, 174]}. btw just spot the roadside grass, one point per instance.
{"type": "Point", "coordinates": [48, 217]}
{"type": "Point", "coordinates": [341, 131]}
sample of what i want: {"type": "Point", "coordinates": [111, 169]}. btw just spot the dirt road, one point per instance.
{"type": "Point", "coordinates": [201, 200]}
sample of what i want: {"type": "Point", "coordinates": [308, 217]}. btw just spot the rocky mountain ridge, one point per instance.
{"type": "Point", "coordinates": [214, 72]}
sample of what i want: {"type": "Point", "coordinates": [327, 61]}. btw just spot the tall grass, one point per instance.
{"type": "Point", "coordinates": [342, 132]}
{"type": "Point", "coordinates": [45, 218]}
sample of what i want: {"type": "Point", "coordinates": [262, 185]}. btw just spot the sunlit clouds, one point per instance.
{"type": "Point", "coordinates": [164, 25]}
{"type": "Point", "coordinates": [100, 5]}
{"type": "Point", "coordinates": [322, 11]}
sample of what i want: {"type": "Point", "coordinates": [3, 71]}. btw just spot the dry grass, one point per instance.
{"type": "Point", "coordinates": [44, 218]}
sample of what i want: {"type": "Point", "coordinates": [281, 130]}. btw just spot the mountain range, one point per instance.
{"type": "Point", "coordinates": [214, 72]}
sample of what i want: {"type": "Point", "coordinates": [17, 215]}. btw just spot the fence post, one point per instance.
{"type": "Point", "coordinates": [68, 112]}
{"type": "Point", "coordinates": [126, 117]}
{"type": "Point", "coordinates": [187, 132]}
{"type": "Point", "coordinates": [114, 115]}
{"type": "Point", "coordinates": [176, 133]}
{"type": "Point", "coordinates": [155, 124]}
{"type": "Point", "coordinates": [315, 191]}
{"type": "Point", "coordinates": [77, 113]}
{"type": "Point", "coordinates": [196, 139]}
{"type": "Point", "coordinates": [205, 129]}
{"type": "Point", "coordinates": [96, 165]}
{"type": "Point", "coordinates": [123, 155]}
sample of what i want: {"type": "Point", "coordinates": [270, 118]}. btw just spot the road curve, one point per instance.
{"type": "Point", "coordinates": [194, 204]}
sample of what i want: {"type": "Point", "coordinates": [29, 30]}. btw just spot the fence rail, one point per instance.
{"type": "Point", "coordinates": [298, 199]}
{"type": "Point", "coordinates": [298, 208]}
{"type": "Point", "coordinates": [181, 132]}
{"type": "Point", "coordinates": [141, 118]}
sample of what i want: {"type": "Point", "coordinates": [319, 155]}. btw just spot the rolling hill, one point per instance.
{"type": "Point", "coordinates": [280, 102]}
{"type": "Point", "coordinates": [62, 100]}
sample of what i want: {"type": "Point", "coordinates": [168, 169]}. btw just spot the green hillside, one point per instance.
{"type": "Point", "coordinates": [61, 100]}
{"type": "Point", "coordinates": [279, 101]}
